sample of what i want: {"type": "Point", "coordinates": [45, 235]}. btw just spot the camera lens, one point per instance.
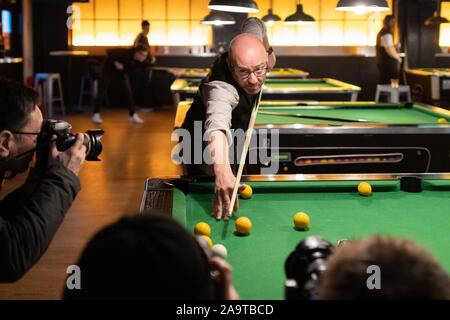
{"type": "Point", "coordinates": [91, 142]}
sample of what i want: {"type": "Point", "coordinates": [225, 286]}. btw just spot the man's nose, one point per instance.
{"type": "Point", "coordinates": [252, 78]}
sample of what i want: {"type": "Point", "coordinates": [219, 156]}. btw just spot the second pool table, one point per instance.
{"type": "Point", "coordinates": [398, 137]}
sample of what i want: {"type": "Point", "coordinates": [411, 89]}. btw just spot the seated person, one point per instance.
{"type": "Point", "coordinates": [150, 257]}
{"type": "Point", "coordinates": [407, 271]}
{"type": "Point", "coordinates": [123, 69]}
{"type": "Point", "coordinates": [31, 214]}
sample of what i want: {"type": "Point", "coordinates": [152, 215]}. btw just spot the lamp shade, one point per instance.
{"type": "Point", "coordinates": [270, 17]}
{"type": "Point", "coordinates": [436, 20]}
{"type": "Point", "coordinates": [218, 18]}
{"type": "Point", "coordinates": [299, 17]}
{"type": "Point", "coordinates": [362, 6]}
{"type": "Point", "coordinates": [234, 6]}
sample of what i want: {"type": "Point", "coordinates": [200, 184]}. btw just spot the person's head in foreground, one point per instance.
{"type": "Point", "coordinates": [150, 257]}
{"type": "Point", "coordinates": [247, 61]}
{"type": "Point", "coordinates": [383, 268]}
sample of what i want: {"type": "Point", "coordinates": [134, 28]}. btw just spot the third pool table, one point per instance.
{"type": "Point", "coordinates": [285, 89]}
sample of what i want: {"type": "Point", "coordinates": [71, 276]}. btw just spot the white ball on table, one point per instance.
{"type": "Point", "coordinates": [219, 250]}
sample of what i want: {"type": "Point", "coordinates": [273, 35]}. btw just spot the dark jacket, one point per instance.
{"type": "Point", "coordinates": [30, 217]}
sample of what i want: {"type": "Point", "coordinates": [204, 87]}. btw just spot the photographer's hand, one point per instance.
{"type": "Point", "coordinates": [226, 288]}
{"type": "Point", "coordinates": [72, 158]}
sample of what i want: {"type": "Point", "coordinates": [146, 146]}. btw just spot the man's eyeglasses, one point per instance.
{"type": "Point", "coordinates": [245, 73]}
{"type": "Point", "coordinates": [20, 132]}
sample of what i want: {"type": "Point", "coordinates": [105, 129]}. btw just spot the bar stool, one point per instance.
{"type": "Point", "coordinates": [48, 80]}
{"type": "Point", "coordinates": [393, 92]}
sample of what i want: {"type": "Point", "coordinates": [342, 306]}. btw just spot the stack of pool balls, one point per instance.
{"type": "Point", "coordinates": [204, 230]}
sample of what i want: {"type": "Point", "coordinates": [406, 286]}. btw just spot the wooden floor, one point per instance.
{"type": "Point", "coordinates": [111, 189]}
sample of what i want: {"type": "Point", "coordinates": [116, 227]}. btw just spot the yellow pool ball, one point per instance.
{"type": "Point", "coordinates": [202, 229]}
{"type": "Point", "coordinates": [364, 189]}
{"type": "Point", "coordinates": [301, 220]}
{"type": "Point", "coordinates": [243, 225]}
{"type": "Point", "coordinates": [442, 120]}
{"type": "Point", "coordinates": [246, 193]}
{"type": "Point", "coordinates": [208, 239]}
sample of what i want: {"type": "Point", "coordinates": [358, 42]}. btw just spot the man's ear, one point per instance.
{"type": "Point", "coordinates": [5, 143]}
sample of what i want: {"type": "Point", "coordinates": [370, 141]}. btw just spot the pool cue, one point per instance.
{"type": "Point", "coordinates": [244, 153]}
{"type": "Point", "coordinates": [302, 105]}
{"type": "Point", "coordinates": [297, 115]}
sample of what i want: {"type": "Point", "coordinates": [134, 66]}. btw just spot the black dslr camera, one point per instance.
{"type": "Point", "coordinates": [304, 267]}
{"type": "Point", "coordinates": [65, 139]}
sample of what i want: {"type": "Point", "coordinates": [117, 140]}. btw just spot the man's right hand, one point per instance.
{"type": "Point", "coordinates": [223, 191]}
{"type": "Point", "coordinates": [72, 158]}
{"type": "Point", "coordinates": [118, 65]}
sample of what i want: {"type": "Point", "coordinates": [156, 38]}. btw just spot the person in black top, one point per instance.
{"type": "Point", "coordinates": [154, 257]}
{"type": "Point", "coordinates": [31, 214]}
{"type": "Point", "coordinates": [122, 69]}
{"type": "Point", "coordinates": [388, 60]}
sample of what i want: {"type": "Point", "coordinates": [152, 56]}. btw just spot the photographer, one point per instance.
{"type": "Point", "coordinates": [31, 215]}
{"type": "Point", "coordinates": [318, 270]}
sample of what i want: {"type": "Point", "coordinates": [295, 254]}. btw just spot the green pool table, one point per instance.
{"type": "Point", "coordinates": [430, 85]}
{"type": "Point", "coordinates": [284, 89]}
{"type": "Point", "coordinates": [397, 137]}
{"type": "Point", "coordinates": [335, 208]}
{"type": "Point", "coordinates": [199, 73]}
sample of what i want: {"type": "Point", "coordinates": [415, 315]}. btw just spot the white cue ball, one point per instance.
{"type": "Point", "coordinates": [219, 250]}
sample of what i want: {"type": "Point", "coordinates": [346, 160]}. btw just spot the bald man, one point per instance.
{"type": "Point", "coordinates": [223, 102]}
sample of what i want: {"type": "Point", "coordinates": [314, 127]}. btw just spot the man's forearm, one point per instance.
{"type": "Point", "coordinates": [219, 152]}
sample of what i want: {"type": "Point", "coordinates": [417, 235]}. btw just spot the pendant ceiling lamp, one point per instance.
{"type": "Point", "coordinates": [270, 18]}
{"type": "Point", "coordinates": [299, 17]}
{"type": "Point", "coordinates": [436, 19]}
{"type": "Point", "coordinates": [245, 6]}
{"type": "Point", "coordinates": [218, 18]}
{"type": "Point", "coordinates": [362, 6]}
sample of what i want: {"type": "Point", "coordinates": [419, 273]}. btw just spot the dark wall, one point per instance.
{"type": "Point", "coordinates": [222, 35]}
{"type": "Point", "coordinates": [13, 70]}
{"type": "Point", "coordinates": [49, 32]}
{"type": "Point", "coordinates": [421, 41]}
